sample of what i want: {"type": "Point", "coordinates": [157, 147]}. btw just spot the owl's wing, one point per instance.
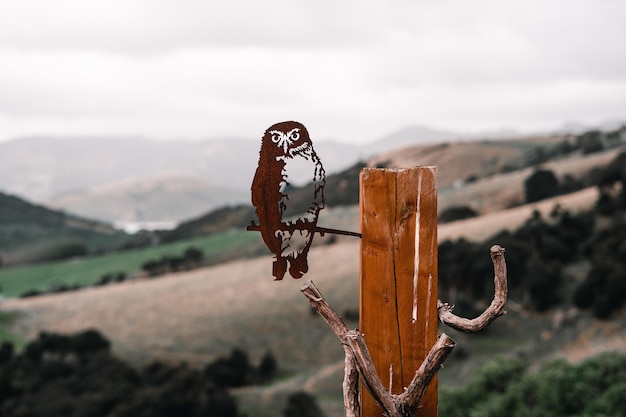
{"type": "Point", "coordinates": [319, 181]}
{"type": "Point", "coordinates": [265, 198]}
{"type": "Point", "coordinates": [257, 187]}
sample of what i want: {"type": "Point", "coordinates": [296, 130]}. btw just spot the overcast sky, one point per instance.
{"type": "Point", "coordinates": [349, 70]}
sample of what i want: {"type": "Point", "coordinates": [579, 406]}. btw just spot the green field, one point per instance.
{"type": "Point", "coordinates": [6, 318]}
{"type": "Point", "coordinates": [87, 270]}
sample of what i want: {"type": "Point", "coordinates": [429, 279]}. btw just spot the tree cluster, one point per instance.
{"type": "Point", "coordinates": [505, 387]}
{"type": "Point", "coordinates": [455, 213]}
{"type": "Point", "coordinates": [584, 143]}
{"type": "Point", "coordinates": [76, 375]}
{"type": "Point", "coordinates": [536, 254]}
{"type": "Point", "coordinates": [540, 249]}
{"type": "Point", "coordinates": [604, 289]}
{"type": "Point", "coordinates": [302, 404]}
{"type": "Point", "coordinates": [59, 287]}
{"type": "Point", "coordinates": [191, 258]}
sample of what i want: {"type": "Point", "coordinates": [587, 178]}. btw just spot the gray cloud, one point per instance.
{"type": "Point", "coordinates": [353, 70]}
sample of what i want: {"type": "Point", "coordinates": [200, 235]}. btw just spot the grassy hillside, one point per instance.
{"type": "Point", "coordinates": [30, 232]}
{"type": "Point", "coordinates": [195, 316]}
{"type": "Point", "coordinates": [86, 270]}
{"type": "Point", "coordinates": [166, 197]}
{"type": "Point", "coordinates": [486, 176]}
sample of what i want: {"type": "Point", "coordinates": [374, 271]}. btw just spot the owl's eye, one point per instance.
{"type": "Point", "coordinates": [275, 137]}
{"type": "Point", "coordinates": [294, 135]}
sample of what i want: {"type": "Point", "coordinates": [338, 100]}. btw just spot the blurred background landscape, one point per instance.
{"type": "Point", "coordinates": [202, 290]}
{"type": "Point", "coordinates": [129, 136]}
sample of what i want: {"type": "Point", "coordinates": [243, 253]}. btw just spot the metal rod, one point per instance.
{"type": "Point", "coordinates": [321, 230]}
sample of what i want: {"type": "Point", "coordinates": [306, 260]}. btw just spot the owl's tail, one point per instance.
{"type": "Point", "coordinates": [299, 265]}
{"type": "Point", "coordinates": [279, 268]}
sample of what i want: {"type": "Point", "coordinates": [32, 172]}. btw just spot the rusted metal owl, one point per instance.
{"type": "Point", "coordinates": [286, 228]}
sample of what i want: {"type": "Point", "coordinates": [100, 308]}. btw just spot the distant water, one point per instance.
{"type": "Point", "coordinates": [134, 227]}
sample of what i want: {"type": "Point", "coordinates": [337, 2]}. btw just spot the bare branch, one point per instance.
{"type": "Point", "coordinates": [339, 327]}
{"type": "Point", "coordinates": [325, 310]}
{"type": "Point", "coordinates": [350, 385]}
{"type": "Point", "coordinates": [368, 372]}
{"type": "Point", "coordinates": [411, 397]}
{"type": "Point", "coordinates": [358, 362]}
{"type": "Point", "coordinates": [495, 308]}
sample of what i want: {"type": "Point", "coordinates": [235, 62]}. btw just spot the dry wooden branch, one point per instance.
{"type": "Point", "coordinates": [339, 327]}
{"type": "Point", "coordinates": [410, 398]}
{"type": "Point", "coordinates": [358, 359]}
{"type": "Point", "coordinates": [495, 308]}
{"type": "Point", "coordinates": [405, 404]}
{"type": "Point", "coordinates": [367, 371]}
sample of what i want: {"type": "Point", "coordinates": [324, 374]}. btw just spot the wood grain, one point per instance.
{"type": "Point", "coordinates": [398, 285]}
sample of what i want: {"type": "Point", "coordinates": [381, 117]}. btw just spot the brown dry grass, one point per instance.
{"type": "Point", "coordinates": [491, 193]}
{"type": "Point", "coordinates": [455, 160]}
{"type": "Point", "coordinates": [597, 337]}
{"type": "Point", "coordinates": [481, 228]}
{"type": "Point", "coordinates": [200, 314]}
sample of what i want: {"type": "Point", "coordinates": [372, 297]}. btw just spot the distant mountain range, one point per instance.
{"type": "Point", "coordinates": [133, 179]}
{"type": "Point", "coordinates": [140, 180]}
{"type": "Point", "coordinates": [30, 232]}
{"type": "Point", "coordinates": [162, 198]}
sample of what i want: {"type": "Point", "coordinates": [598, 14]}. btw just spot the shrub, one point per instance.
{"type": "Point", "coordinates": [75, 375]}
{"type": "Point", "coordinates": [540, 185]}
{"type": "Point", "coordinates": [193, 255]}
{"type": "Point", "coordinates": [456, 213]}
{"type": "Point", "coordinates": [64, 251]}
{"type": "Point", "coordinates": [301, 404]}
{"type": "Point", "coordinates": [590, 141]}
{"type": "Point", "coordinates": [268, 367]}
{"type": "Point", "coordinates": [594, 387]}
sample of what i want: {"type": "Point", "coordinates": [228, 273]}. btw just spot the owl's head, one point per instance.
{"type": "Point", "coordinates": [286, 138]}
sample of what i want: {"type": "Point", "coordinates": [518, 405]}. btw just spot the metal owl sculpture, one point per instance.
{"type": "Point", "coordinates": [287, 227]}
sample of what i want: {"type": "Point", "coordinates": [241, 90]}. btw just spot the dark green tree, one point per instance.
{"type": "Point", "coordinates": [590, 142]}
{"type": "Point", "coordinates": [301, 404]}
{"type": "Point", "coordinates": [541, 184]}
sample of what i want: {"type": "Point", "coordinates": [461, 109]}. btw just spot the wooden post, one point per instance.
{"type": "Point", "coordinates": [398, 285]}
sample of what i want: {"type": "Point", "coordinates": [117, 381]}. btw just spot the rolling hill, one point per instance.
{"type": "Point", "coordinates": [486, 175]}
{"type": "Point", "coordinates": [198, 315]}
{"type": "Point", "coordinates": [101, 173]}
{"type": "Point", "coordinates": [102, 177]}
{"type": "Point", "coordinates": [161, 198]}
{"type": "Point", "coordinates": [31, 232]}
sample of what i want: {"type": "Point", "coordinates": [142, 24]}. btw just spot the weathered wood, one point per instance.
{"type": "Point", "coordinates": [396, 355]}
{"type": "Point", "coordinates": [358, 362]}
{"type": "Point", "coordinates": [339, 327]}
{"type": "Point", "coordinates": [494, 310]}
{"type": "Point", "coordinates": [398, 286]}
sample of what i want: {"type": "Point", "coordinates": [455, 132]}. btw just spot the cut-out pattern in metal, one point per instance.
{"type": "Point", "coordinates": [288, 226]}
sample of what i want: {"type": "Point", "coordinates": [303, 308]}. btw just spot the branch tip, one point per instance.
{"type": "Point", "coordinates": [495, 308]}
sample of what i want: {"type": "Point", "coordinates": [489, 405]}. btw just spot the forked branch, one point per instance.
{"type": "Point", "coordinates": [339, 327]}
{"type": "Point", "coordinates": [358, 359]}
{"type": "Point", "coordinates": [358, 362]}
{"type": "Point", "coordinates": [494, 310]}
